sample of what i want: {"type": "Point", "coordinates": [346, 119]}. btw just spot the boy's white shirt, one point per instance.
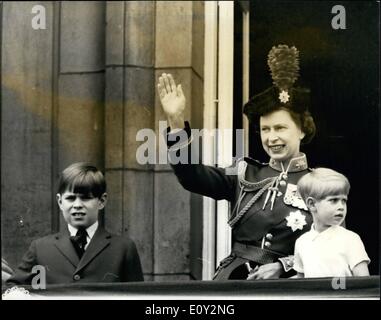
{"type": "Point", "coordinates": [90, 232]}
{"type": "Point", "coordinates": [331, 253]}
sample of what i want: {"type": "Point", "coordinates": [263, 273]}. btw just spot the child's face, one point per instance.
{"type": "Point", "coordinates": [330, 211]}
{"type": "Point", "coordinates": [80, 210]}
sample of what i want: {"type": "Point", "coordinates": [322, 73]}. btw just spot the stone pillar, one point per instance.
{"type": "Point", "coordinates": [144, 39]}
{"type": "Point", "coordinates": [129, 108]}
{"type": "Point", "coordinates": [81, 83]}
{"type": "Point", "coordinates": [177, 36]}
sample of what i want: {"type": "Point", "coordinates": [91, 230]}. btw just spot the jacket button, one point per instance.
{"type": "Point", "coordinates": [267, 244]}
{"type": "Point", "coordinates": [76, 277]}
{"type": "Point", "coordinates": [269, 236]}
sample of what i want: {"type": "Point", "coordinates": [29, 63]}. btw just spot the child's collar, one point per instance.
{"type": "Point", "coordinates": [326, 232]}
{"type": "Point", "coordinates": [90, 230]}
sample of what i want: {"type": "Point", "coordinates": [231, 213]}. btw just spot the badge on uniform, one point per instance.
{"type": "Point", "coordinates": [296, 220]}
{"type": "Point", "coordinates": [293, 198]}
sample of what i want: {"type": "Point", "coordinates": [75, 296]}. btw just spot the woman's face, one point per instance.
{"type": "Point", "coordinates": [280, 135]}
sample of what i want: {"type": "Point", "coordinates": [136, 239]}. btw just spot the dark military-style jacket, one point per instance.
{"type": "Point", "coordinates": [272, 226]}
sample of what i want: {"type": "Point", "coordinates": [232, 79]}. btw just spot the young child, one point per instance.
{"type": "Point", "coordinates": [328, 250]}
{"type": "Point", "coordinates": [84, 251]}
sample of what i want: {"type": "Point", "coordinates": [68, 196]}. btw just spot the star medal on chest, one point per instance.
{"type": "Point", "coordinates": [296, 220]}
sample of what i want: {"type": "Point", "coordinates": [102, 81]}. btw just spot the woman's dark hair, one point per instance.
{"type": "Point", "coordinates": [305, 122]}
{"type": "Point", "coordinates": [82, 178]}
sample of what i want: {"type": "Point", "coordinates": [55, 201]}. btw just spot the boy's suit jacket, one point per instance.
{"type": "Point", "coordinates": [108, 258]}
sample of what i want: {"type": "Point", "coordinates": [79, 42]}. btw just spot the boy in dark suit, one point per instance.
{"type": "Point", "coordinates": [84, 251]}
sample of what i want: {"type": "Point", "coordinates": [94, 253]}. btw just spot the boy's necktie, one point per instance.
{"type": "Point", "coordinates": [79, 241]}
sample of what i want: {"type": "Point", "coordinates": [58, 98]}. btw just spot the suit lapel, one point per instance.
{"type": "Point", "coordinates": [100, 240]}
{"type": "Point", "coordinates": [64, 245]}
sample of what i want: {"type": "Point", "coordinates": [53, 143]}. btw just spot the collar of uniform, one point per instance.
{"type": "Point", "coordinates": [296, 164]}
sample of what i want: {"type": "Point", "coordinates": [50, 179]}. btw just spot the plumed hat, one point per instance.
{"type": "Point", "coordinates": [284, 66]}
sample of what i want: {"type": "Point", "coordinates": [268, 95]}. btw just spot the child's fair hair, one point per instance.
{"type": "Point", "coordinates": [82, 178]}
{"type": "Point", "coordinates": [323, 182]}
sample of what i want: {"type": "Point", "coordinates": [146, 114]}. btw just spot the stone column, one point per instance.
{"type": "Point", "coordinates": [179, 51]}
{"type": "Point", "coordinates": [81, 83]}
{"type": "Point", "coordinates": [129, 108]}
{"type": "Point", "coordinates": [144, 39]}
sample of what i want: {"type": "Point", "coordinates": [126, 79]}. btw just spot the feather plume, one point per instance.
{"type": "Point", "coordinates": [284, 66]}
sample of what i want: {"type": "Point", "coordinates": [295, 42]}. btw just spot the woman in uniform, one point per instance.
{"type": "Point", "coordinates": [268, 214]}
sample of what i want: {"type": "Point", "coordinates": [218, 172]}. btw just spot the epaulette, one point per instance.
{"type": "Point", "coordinates": [241, 164]}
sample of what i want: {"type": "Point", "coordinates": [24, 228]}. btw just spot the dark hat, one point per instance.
{"type": "Point", "coordinates": [284, 66]}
